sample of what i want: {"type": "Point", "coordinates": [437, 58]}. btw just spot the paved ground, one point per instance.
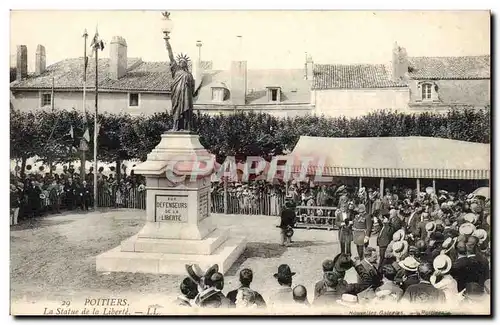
{"type": "Point", "coordinates": [53, 260]}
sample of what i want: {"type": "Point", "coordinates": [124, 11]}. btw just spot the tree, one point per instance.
{"type": "Point", "coordinates": [24, 140]}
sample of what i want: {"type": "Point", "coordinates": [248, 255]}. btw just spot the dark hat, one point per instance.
{"type": "Point", "coordinates": [327, 265]}
{"type": "Point", "coordinates": [211, 271]}
{"type": "Point", "coordinates": [284, 272]}
{"type": "Point", "coordinates": [214, 279]}
{"type": "Point", "coordinates": [421, 245]}
{"type": "Point", "coordinates": [439, 226]}
{"type": "Point", "coordinates": [342, 263]}
{"type": "Point", "coordinates": [437, 236]}
{"type": "Point", "coordinates": [194, 272]}
{"type": "Point", "coordinates": [217, 277]}
{"type": "Point", "coordinates": [413, 250]}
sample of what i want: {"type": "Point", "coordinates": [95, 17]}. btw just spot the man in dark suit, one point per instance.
{"type": "Point", "coordinates": [413, 220]}
{"type": "Point", "coordinates": [210, 296]}
{"type": "Point", "coordinates": [478, 267]}
{"type": "Point", "coordinates": [33, 192]}
{"type": "Point", "coordinates": [69, 194]}
{"type": "Point", "coordinates": [189, 290]}
{"type": "Point", "coordinates": [320, 285]}
{"type": "Point", "coordinates": [287, 221]}
{"type": "Point", "coordinates": [366, 269]}
{"type": "Point", "coordinates": [424, 291]}
{"type": "Point", "coordinates": [246, 277]}
{"type": "Point", "coordinates": [461, 266]}
{"type": "Point", "coordinates": [395, 220]}
{"type": "Point", "coordinates": [384, 237]}
{"type": "Point", "coordinates": [362, 229]}
{"type": "Point", "coordinates": [334, 288]}
{"type": "Point", "coordinates": [344, 220]}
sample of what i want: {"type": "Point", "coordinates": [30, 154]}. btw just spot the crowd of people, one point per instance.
{"type": "Point", "coordinates": [36, 194]}
{"type": "Point", "coordinates": [432, 248]}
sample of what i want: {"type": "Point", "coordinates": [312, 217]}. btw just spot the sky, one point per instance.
{"type": "Point", "coordinates": [270, 39]}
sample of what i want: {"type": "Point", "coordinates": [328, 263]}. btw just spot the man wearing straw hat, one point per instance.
{"type": "Point", "coordinates": [407, 275]}
{"type": "Point", "coordinates": [424, 292]}
{"type": "Point", "coordinates": [448, 248]}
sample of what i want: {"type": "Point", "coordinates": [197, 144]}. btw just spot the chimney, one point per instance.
{"type": "Point", "coordinates": [238, 76]}
{"type": "Point", "coordinates": [399, 63]}
{"type": "Point", "coordinates": [117, 58]}
{"type": "Point", "coordinates": [40, 62]}
{"type": "Point", "coordinates": [309, 67]}
{"type": "Point", "coordinates": [21, 62]}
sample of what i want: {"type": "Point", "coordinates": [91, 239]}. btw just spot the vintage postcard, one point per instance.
{"type": "Point", "coordinates": [250, 163]}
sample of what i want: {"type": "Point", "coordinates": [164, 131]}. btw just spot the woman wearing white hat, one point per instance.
{"type": "Point", "coordinates": [442, 280]}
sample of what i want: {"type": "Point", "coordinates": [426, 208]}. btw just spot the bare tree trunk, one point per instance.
{"type": "Point", "coordinates": [118, 170]}
{"type": "Point", "coordinates": [23, 167]}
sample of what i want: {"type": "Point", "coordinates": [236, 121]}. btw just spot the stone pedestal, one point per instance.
{"type": "Point", "coordinates": [179, 229]}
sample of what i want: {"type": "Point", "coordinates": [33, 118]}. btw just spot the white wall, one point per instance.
{"type": "Point", "coordinates": [357, 102]}
{"type": "Point", "coordinates": [108, 102]}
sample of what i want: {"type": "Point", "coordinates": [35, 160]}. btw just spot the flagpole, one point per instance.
{"type": "Point", "coordinates": [52, 96]}
{"type": "Point", "coordinates": [96, 48]}
{"type": "Point", "coordinates": [84, 160]}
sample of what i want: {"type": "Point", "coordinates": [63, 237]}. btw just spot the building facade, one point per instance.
{"type": "Point", "coordinates": [131, 86]}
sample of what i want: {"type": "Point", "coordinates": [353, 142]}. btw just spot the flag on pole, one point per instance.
{"type": "Point", "coordinates": [71, 134]}
{"type": "Point", "coordinates": [86, 135]}
{"type": "Point", "coordinates": [97, 43]}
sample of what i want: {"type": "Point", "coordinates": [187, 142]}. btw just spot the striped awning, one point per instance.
{"type": "Point", "coordinates": [397, 172]}
{"type": "Point", "coordinates": [393, 157]}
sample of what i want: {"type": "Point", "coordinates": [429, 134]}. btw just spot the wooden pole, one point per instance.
{"type": "Point", "coordinates": [52, 96]}
{"type": "Point", "coordinates": [95, 125]}
{"type": "Point", "coordinates": [381, 187]}
{"type": "Point", "coordinates": [360, 182]}
{"type": "Point", "coordinates": [418, 185]}
{"type": "Point", "coordinates": [225, 195]}
{"type": "Point", "coordinates": [434, 186]}
{"type": "Point", "coordinates": [83, 159]}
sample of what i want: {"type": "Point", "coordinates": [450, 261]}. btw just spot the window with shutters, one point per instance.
{"type": "Point", "coordinates": [427, 91]}
{"type": "Point", "coordinates": [133, 100]}
{"type": "Point", "coordinates": [274, 94]}
{"type": "Point", "coordinates": [46, 99]}
{"type": "Point", "coordinates": [218, 94]}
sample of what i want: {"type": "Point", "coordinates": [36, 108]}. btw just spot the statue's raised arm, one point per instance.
{"type": "Point", "coordinates": [169, 50]}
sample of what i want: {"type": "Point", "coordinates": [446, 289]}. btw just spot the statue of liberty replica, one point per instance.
{"type": "Point", "coordinates": [183, 86]}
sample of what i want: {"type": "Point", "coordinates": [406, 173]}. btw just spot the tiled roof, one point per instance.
{"type": "Point", "coordinates": [67, 74]}
{"type": "Point", "coordinates": [352, 76]}
{"type": "Point", "coordinates": [294, 88]}
{"type": "Point", "coordinates": [460, 67]}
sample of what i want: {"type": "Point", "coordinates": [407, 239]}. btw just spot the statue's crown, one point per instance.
{"type": "Point", "coordinates": [183, 57]}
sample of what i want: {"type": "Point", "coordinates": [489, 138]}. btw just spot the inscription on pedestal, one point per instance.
{"type": "Point", "coordinates": [203, 205]}
{"type": "Point", "coordinates": [171, 208]}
